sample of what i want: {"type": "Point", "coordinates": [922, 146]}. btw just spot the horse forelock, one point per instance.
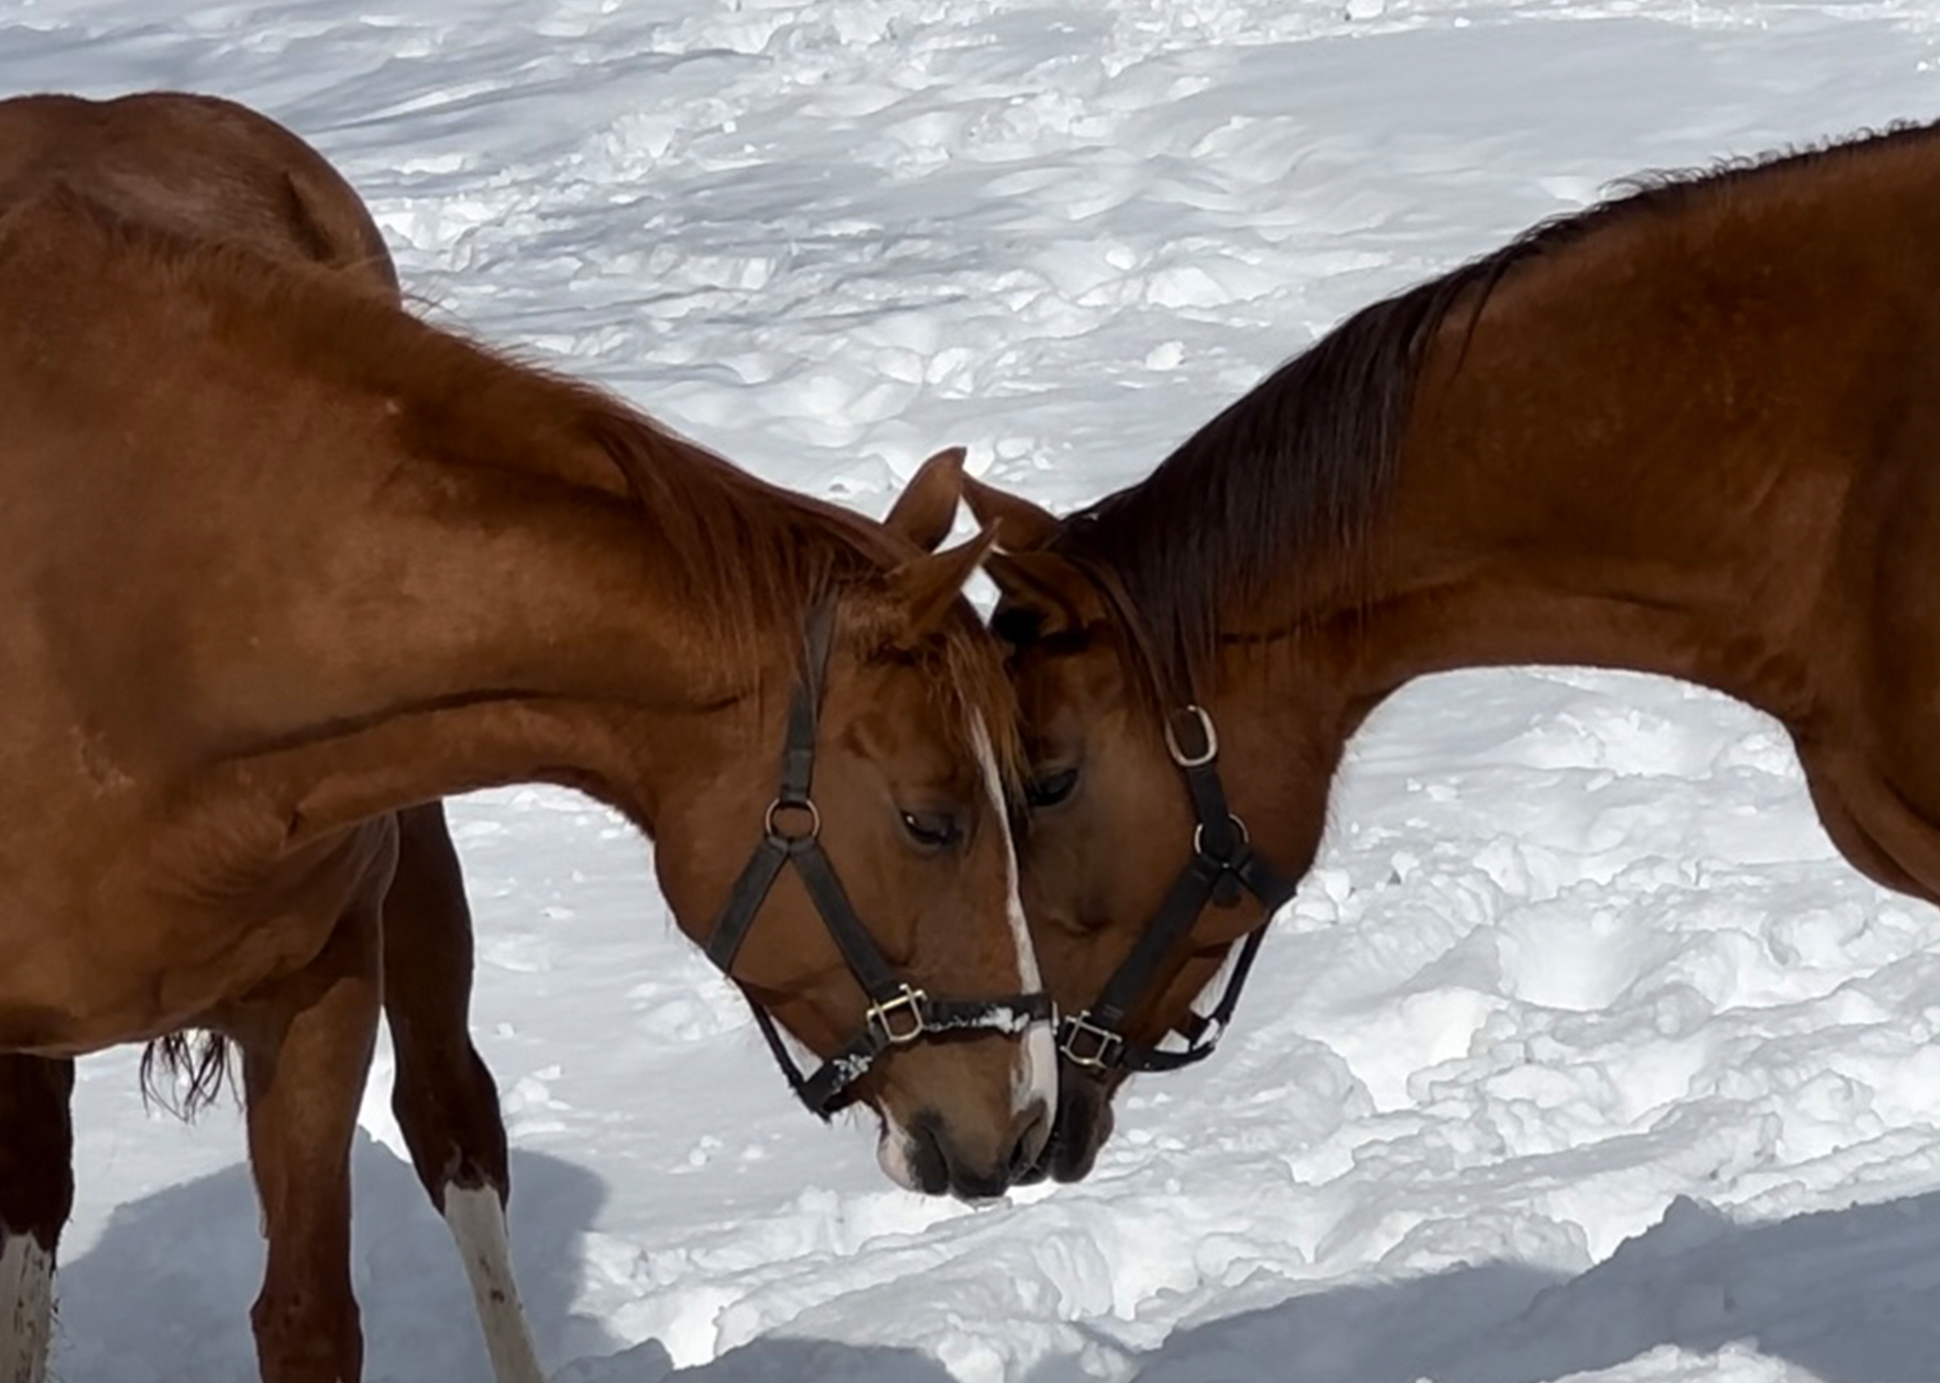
{"type": "Point", "coordinates": [970, 671]}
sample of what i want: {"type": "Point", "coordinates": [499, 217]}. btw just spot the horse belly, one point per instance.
{"type": "Point", "coordinates": [108, 974]}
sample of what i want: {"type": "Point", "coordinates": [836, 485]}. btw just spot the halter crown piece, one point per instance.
{"type": "Point", "coordinates": [898, 1013]}
{"type": "Point", "coordinates": [1223, 863]}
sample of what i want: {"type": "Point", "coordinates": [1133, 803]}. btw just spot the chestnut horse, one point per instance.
{"type": "Point", "coordinates": [216, 171]}
{"type": "Point", "coordinates": [285, 565]}
{"type": "Point", "coordinates": [1693, 431]}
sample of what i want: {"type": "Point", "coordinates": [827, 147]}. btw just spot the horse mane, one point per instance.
{"type": "Point", "coordinates": [751, 555]}
{"type": "Point", "coordinates": [756, 557]}
{"type": "Point", "coordinates": [749, 558]}
{"type": "Point", "coordinates": [1301, 468]}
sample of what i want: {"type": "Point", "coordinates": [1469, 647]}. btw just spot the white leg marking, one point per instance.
{"type": "Point", "coordinates": [1036, 1077]}
{"type": "Point", "coordinates": [477, 1222]}
{"type": "Point", "coordinates": [26, 1308]}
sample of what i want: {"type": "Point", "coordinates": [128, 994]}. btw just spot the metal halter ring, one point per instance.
{"type": "Point", "coordinates": [1211, 736]}
{"type": "Point", "coordinates": [1106, 1042]}
{"type": "Point", "coordinates": [1199, 834]}
{"type": "Point", "coordinates": [776, 833]}
{"type": "Point", "coordinates": [910, 1002]}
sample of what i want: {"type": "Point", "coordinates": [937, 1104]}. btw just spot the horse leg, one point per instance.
{"type": "Point", "coordinates": [307, 1042]}
{"type": "Point", "coordinates": [444, 1097]}
{"type": "Point", "coordinates": [36, 1196]}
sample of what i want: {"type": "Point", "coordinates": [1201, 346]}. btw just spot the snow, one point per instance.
{"type": "Point", "coordinates": [1580, 1056]}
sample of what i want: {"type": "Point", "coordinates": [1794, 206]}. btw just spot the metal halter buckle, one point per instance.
{"type": "Point", "coordinates": [776, 807]}
{"type": "Point", "coordinates": [1206, 732]}
{"type": "Point", "coordinates": [1106, 1044]}
{"type": "Point", "coordinates": [910, 1002]}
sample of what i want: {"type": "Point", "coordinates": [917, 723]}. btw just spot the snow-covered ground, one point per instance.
{"type": "Point", "coordinates": [1581, 1056]}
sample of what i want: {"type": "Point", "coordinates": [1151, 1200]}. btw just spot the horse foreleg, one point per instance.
{"type": "Point", "coordinates": [445, 1099]}
{"type": "Point", "coordinates": [36, 1196]}
{"type": "Point", "coordinates": [306, 1044]}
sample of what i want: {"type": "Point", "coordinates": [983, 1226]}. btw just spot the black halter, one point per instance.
{"type": "Point", "coordinates": [1222, 864]}
{"type": "Point", "coordinates": [898, 1013]}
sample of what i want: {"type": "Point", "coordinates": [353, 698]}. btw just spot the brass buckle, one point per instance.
{"type": "Point", "coordinates": [1106, 1043]}
{"type": "Point", "coordinates": [910, 1003]}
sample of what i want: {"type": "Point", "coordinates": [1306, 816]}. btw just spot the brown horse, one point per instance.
{"type": "Point", "coordinates": [212, 170]}
{"type": "Point", "coordinates": [1694, 431]}
{"type": "Point", "coordinates": [285, 566]}
{"type": "Point", "coordinates": [216, 171]}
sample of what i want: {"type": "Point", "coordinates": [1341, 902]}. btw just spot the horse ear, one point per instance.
{"type": "Point", "coordinates": [922, 589]}
{"type": "Point", "coordinates": [927, 507]}
{"type": "Point", "coordinates": [1043, 593]}
{"type": "Point", "coordinates": [1021, 525]}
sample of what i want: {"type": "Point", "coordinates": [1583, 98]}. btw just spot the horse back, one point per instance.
{"type": "Point", "coordinates": [196, 166]}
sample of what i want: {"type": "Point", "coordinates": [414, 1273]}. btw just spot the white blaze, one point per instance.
{"type": "Point", "coordinates": [1036, 1077]}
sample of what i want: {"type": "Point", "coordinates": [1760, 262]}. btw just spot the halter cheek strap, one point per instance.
{"type": "Point", "coordinates": [1223, 864]}
{"type": "Point", "coordinates": [898, 1013]}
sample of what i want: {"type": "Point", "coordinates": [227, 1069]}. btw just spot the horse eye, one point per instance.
{"type": "Point", "coordinates": [933, 830]}
{"type": "Point", "coordinates": [1051, 788]}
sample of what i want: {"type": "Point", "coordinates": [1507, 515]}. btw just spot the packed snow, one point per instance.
{"type": "Point", "coordinates": [1580, 1056]}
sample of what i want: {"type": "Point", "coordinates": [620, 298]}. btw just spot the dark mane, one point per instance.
{"type": "Point", "coordinates": [1300, 469]}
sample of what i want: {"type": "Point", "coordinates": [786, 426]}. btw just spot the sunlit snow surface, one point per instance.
{"type": "Point", "coordinates": [1581, 1056]}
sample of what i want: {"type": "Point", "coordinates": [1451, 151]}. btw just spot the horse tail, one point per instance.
{"type": "Point", "coordinates": [184, 1072]}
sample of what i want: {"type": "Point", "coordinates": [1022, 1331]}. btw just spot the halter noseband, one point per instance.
{"type": "Point", "coordinates": [898, 1013]}
{"type": "Point", "coordinates": [1223, 863]}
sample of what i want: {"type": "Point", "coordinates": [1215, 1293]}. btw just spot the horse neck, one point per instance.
{"type": "Point", "coordinates": [286, 561]}
{"type": "Point", "coordinates": [1581, 485]}
{"type": "Point", "coordinates": [1496, 553]}
{"type": "Point", "coordinates": [519, 631]}
{"type": "Point", "coordinates": [395, 618]}
{"type": "Point", "coordinates": [1660, 450]}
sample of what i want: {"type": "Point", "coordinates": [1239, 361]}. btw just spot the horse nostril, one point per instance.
{"type": "Point", "coordinates": [1028, 1136]}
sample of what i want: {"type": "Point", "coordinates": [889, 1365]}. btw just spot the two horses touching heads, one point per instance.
{"type": "Point", "coordinates": [283, 566]}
